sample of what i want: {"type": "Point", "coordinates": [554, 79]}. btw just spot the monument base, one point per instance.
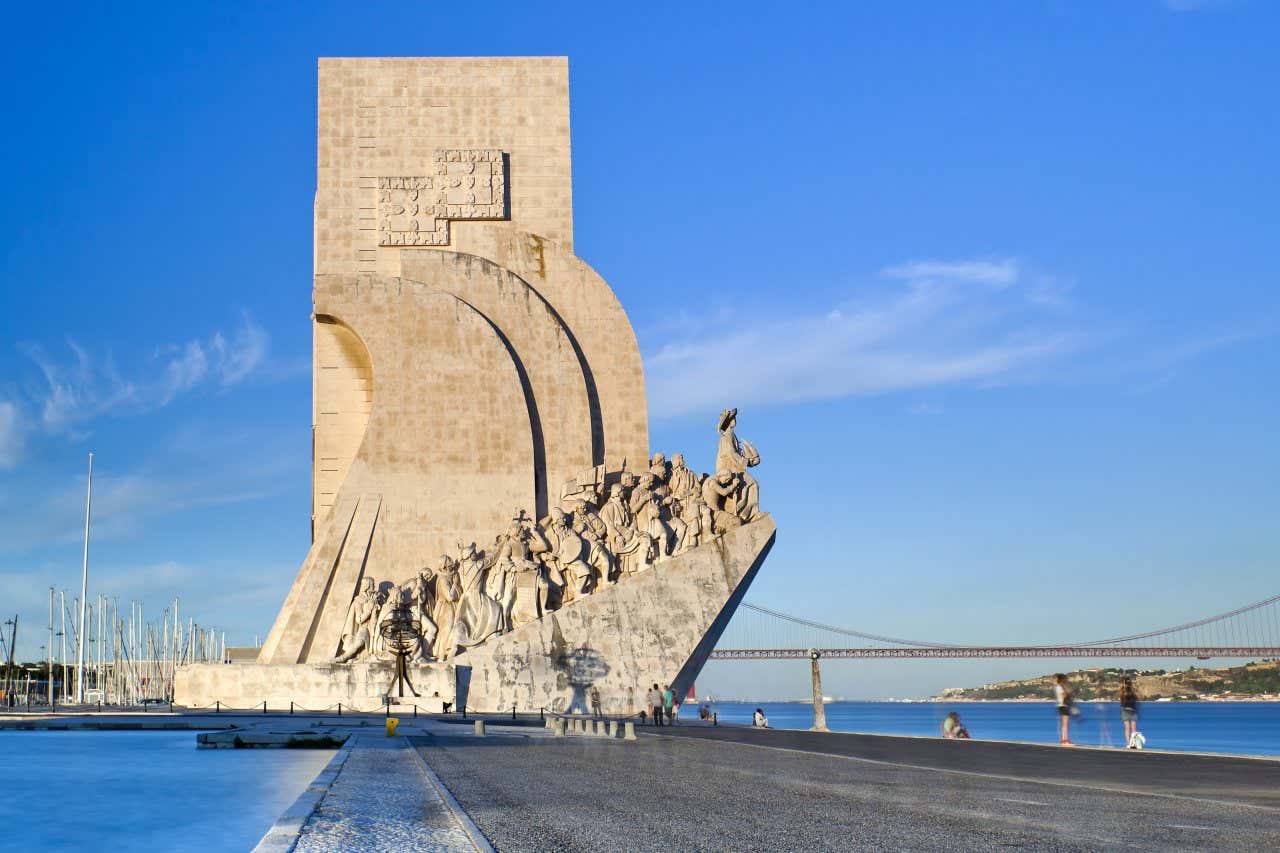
{"type": "Point", "coordinates": [311, 687]}
{"type": "Point", "coordinates": [657, 626]}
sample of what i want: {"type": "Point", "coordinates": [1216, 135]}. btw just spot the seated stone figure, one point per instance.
{"type": "Point", "coordinates": [599, 558]}
{"type": "Point", "coordinates": [629, 545]}
{"type": "Point", "coordinates": [566, 557]}
{"type": "Point", "coordinates": [720, 492]}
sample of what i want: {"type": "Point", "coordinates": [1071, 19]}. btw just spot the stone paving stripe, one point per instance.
{"type": "Point", "coordinates": [383, 799]}
{"type": "Point", "coordinates": [459, 813]}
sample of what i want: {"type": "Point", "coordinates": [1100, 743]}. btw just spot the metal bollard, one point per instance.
{"type": "Point", "coordinates": [630, 733]}
{"type": "Point", "coordinates": [264, 706]}
{"type": "Point", "coordinates": [479, 728]}
{"type": "Point", "coordinates": [291, 707]}
{"type": "Point", "coordinates": [217, 707]}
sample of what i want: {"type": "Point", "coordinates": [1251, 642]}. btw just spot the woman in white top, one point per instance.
{"type": "Point", "coordinates": [759, 720]}
{"type": "Point", "coordinates": [1062, 694]}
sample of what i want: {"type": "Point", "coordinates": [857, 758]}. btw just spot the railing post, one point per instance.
{"type": "Point", "coordinates": [290, 706]}
{"type": "Point", "coordinates": [264, 706]}
{"type": "Point", "coordinates": [217, 706]}
{"type": "Point", "coordinates": [339, 709]}
{"type": "Point", "coordinates": [513, 711]}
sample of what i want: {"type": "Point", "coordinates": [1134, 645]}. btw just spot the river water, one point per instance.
{"type": "Point", "coordinates": [143, 791]}
{"type": "Point", "coordinates": [1239, 728]}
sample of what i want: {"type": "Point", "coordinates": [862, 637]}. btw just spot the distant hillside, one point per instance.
{"type": "Point", "coordinates": [1251, 681]}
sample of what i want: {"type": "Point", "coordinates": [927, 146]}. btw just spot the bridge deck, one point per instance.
{"type": "Point", "coordinates": [1200, 652]}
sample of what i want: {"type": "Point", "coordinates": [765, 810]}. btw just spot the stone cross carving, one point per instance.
{"type": "Point", "coordinates": [467, 184]}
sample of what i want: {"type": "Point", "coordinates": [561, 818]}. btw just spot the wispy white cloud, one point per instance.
{"type": "Point", "coordinates": [999, 273]}
{"type": "Point", "coordinates": [921, 324]}
{"type": "Point", "coordinates": [71, 392]}
{"type": "Point", "coordinates": [194, 469]}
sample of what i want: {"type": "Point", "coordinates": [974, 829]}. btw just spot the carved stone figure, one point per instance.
{"type": "Point", "coordinates": [359, 628]}
{"type": "Point", "coordinates": [419, 596]}
{"type": "Point", "coordinates": [523, 594]}
{"type": "Point", "coordinates": [599, 557]}
{"type": "Point", "coordinates": [629, 545]}
{"type": "Point", "coordinates": [658, 467]}
{"type": "Point", "coordinates": [478, 616]}
{"type": "Point", "coordinates": [735, 457]}
{"type": "Point", "coordinates": [683, 482]}
{"type": "Point", "coordinates": [447, 594]}
{"type": "Point", "coordinates": [720, 491]}
{"type": "Point", "coordinates": [567, 554]}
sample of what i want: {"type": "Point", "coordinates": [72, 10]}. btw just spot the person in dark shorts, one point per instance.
{"type": "Point", "coordinates": [1062, 695]}
{"type": "Point", "coordinates": [1129, 711]}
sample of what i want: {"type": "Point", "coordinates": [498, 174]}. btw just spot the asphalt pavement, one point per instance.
{"type": "Point", "coordinates": [735, 789]}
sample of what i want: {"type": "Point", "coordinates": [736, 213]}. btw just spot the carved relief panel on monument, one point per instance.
{"type": "Point", "coordinates": [467, 184]}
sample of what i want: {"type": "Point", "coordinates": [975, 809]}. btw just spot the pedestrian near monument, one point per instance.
{"type": "Point", "coordinates": [1129, 712]}
{"type": "Point", "coordinates": [1063, 695]}
{"type": "Point", "coordinates": [675, 710]}
{"type": "Point", "coordinates": [654, 700]}
{"type": "Point", "coordinates": [668, 699]}
{"type": "Point", "coordinates": [595, 702]}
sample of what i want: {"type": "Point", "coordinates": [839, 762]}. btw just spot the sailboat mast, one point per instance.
{"type": "Point", "coordinates": [84, 589]}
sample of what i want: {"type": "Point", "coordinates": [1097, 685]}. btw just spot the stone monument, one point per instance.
{"type": "Point", "coordinates": [481, 464]}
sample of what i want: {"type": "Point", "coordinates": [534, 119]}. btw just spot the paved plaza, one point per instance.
{"type": "Point", "coordinates": [699, 790]}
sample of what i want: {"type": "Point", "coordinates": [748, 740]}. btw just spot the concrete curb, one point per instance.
{"type": "Point", "coordinates": [283, 835]}
{"type": "Point", "coordinates": [473, 832]}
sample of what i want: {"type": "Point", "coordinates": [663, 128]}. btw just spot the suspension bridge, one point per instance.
{"type": "Point", "coordinates": [761, 633]}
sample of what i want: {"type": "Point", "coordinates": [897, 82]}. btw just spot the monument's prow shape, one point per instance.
{"type": "Point", "coordinates": [468, 366]}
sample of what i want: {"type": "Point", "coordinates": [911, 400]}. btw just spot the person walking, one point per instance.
{"type": "Point", "coordinates": [654, 698]}
{"type": "Point", "coordinates": [1129, 711]}
{"type": "Point", "coordinates": [1062, 694]}
{"type": "Point", "coordinates": [668, 699]}
{"type": "Point", "coordinates": [595, 702]}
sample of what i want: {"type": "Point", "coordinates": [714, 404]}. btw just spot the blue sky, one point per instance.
{"type": "Point", "coordinates": [994, 286]}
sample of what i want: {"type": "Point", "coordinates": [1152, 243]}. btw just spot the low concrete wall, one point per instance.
{"type": "Point", "coordinates": [313, 687]}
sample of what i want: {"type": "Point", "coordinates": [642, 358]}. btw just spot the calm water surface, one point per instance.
{"type": "Point", "coordinates": [143, 791]}
{"type": "Point", "coordinates": [1241, 728]}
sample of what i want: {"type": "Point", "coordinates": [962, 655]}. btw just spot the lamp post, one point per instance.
{"type": "Point", "coordinates": [819, 710]}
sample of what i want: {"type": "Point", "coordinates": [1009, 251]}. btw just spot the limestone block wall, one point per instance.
{"type": "Point", "coordinates": [389, 117]}
{"type": "Point", "coordinates": [358, 686]}
{"type": "Point", "coordinates": [342, 397]}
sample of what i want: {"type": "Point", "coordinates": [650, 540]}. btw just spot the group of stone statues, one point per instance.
{"type": "Point", "coordinates": [607, 527]}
